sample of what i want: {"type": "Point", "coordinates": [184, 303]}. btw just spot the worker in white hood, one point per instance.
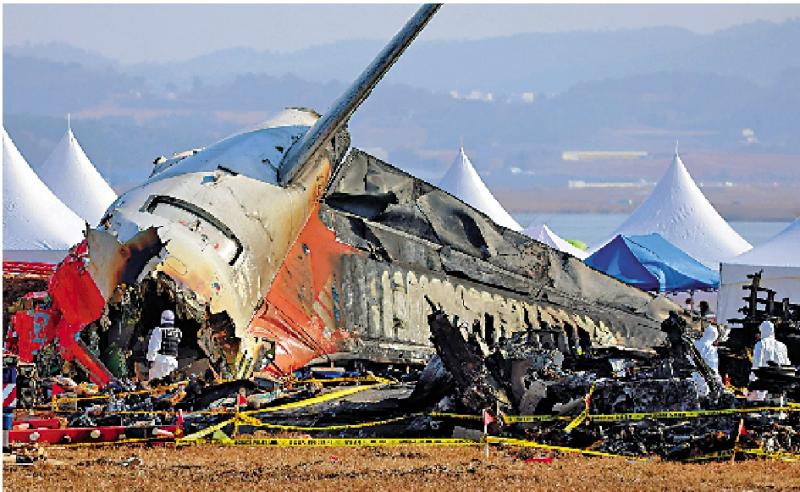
{"type": "Point", "coordinates": [768, 349]}
{"type": "Point", "coordinates": [707, 349]}
{"type": "Point", "coordinates": [162, 350]}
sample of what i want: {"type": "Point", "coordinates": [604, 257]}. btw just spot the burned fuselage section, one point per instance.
{"type": "Point", "coordinates": [339, 268]}
{"type": "Point", "coordinates": [413, 243]}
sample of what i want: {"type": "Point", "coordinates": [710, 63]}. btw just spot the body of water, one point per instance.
{"type": "Point", "coordinates": [592, 228]}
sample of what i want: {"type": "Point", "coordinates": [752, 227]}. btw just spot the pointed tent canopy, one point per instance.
{"type": "Point", "coordinates": [679, 211]}
{"type": "Point", "coordinates": [781, 250]}
{"type": "Point", "coordinates": [74, 179]}
{"type": "Point", "coordinates": [779, 262]}
{"type": "Point", "coordinates": [651, 263]}
{"type": "Point", "coordinates": [545, 235]}
{"type": "Point", "coordinates": [463, 182]}
{"type": "Point", "coordinates": [33, 217]}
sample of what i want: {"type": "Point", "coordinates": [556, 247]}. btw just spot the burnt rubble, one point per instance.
{"type": "Point", "coordinates": [542, 371]}
{"type": "Point", "coordinates": [547, 372]}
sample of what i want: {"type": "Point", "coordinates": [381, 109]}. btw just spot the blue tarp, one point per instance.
{"type": "Point", "coordinates": [652, 263]}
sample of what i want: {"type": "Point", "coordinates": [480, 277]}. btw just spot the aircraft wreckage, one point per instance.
{"type": "Point", "coordinates": [284, 246]}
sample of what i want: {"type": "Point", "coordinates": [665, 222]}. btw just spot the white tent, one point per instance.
{"type": "Point", "coordinates": [545, 235]}
{"type": "Point", "coordinates": [463, 182]}
{"type": "Point", "coordinates": [779, 258]}
{"type": "Point", "coordinates": [37, 226]}
{"type": "Point", "coordinates": [679, 211]}
{"type": "Point", "coordinates": [74, 179]}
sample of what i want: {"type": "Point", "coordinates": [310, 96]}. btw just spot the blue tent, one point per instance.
{"type": "Point", "coordinates": [652, 263]}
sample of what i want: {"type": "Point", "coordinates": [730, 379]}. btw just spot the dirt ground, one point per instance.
{"type": "Point", "coordinates": [399, 468]}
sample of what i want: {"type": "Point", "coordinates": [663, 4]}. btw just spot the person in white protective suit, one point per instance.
{"type": "Point", "coordinates": [769, 349]}
{"type": "Point", "coordinates": [162, 349]}
{"type": "Point", "coordinates": [707, 349]}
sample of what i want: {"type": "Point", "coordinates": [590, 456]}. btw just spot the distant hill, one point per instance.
{"type": "Point", "coordinates": [731, 95]}
{"type": "Point", "coordinates": [40, 86]}
{"type": "Point", "coordinates": [543, 63]}
{"type": "Point", "coordinates": [533, 62]}
{"type": "Point", "coordinates": [62, 53]}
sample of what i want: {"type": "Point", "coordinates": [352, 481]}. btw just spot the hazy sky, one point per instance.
{"type": "Point", "coordinates": [133, 33]}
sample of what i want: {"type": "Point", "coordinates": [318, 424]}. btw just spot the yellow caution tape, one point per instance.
{"type": "Point", "coordinates": [585, 413]}
{"type": "Point", "coordinates": [577, 420]}
{"type": "Point", "coordinates": [341, 442]}
{"type": "Point", "coordinates": [669, 414]}
{"type": "Point", "coordinates": [208, 430]}
{"type": "Point", "coordinates": [257, 423]}
{"type": "Point", "coordinates": [727, 453]}
{"type": "Point", "coordinates": [241, 417]}
{"type": "Point", "coordinates": [563, 449]}
{"type": "Point", "coordinates": [361, 379]}
{"type": "Point", "coordinates": [711, 456]}
{"type": "Point", "coordinates": [316, 400]}
{"type": "Point", "coordinates": [455, 416]}
{"type": "Point", "coordinates": [141, 440]}
{"type": "Point", "coordinates": [58, 399]}
{"type": "Point", "coordinates": [211, 411]}
{"type": "Point", "coordinates": [677, 414]}
{"type": "Point", "coordinates": [526, 419]}
{"type": "Point", "coordinates": [776, 455]}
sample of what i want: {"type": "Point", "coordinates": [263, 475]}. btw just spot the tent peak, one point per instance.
{"type": "Point", "coordinates": [678, 211]}
{"type": "Point", "coordinates": [70, 174]}
{"type": "Point", "coordinates": [542, 233]}
{"type": "Point", "coordinates": [463, 182]}
{"type": "Point", "coordinates": [34, 218]}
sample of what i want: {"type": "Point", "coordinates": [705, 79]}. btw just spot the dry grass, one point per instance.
{"type": "Point", "coordinates": [400, 468]}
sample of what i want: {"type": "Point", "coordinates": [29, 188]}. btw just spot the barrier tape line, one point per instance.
{"type": "Point", "coordinates": [208, 430]}
{"type": "Point", "coordinates": [141, 440]}
{"type": "Point", "coordinates": [315, 400]}
{"type": "Point", "coordinates": [238, 418]}
{"type": "Point", "coordinates": [362, 379]}
{"type": "Point", "coordinates": [361, 425]}
{"type": "Point", "coordinates": [584, 414]}
{"type": "Point", "coordinates": [371, 442]}
{"type": "Point", "coordinates": [455, 416]}
{"type": "Point", "coordinates": [527, 419]}
{"type": "Point", "coordinates": [686, 413]}
{"type": "Point", "coordinates": [58, 399]}
{"type": "Point", "coordinates": [776, 455]}
{"type": "Point", "coordinates": [337, 442]}
{"type": "Point", "coordinates": [615, 417]}
{"type": "Point", "coordinates": [564, 449]}
{"type": "Point", "coordinates": [727, 453]}
{"type": "Point", "coordinates": [213, 411]}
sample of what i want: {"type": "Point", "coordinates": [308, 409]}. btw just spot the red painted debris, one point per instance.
{"type": "Point", "coordinates": [76, 302]}
{"type": "Point", "coordinates": [83, 434]}
{"type": "Point", "coordinates": [28, 268]}
{"type": "Point", "coordinates": [540, 459]}
{"type": "Point", "coordinates": [52, 423]}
